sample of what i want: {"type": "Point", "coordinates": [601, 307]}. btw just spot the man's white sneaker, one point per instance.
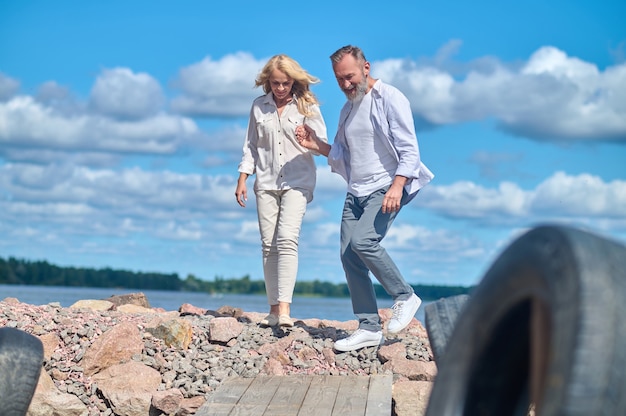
{"type": "Point", "coordinates": [403, 313]}
{"type": "Point", "coordinates": [359, 339]}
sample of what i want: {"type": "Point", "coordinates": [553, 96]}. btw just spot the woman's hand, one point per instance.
{"type": "Point", "coordinates": [307, 137]}
{"type": "Point", "coordinates": [241, 193]}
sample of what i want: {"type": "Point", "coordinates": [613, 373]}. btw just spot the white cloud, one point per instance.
{"type": "Point", "coordinates": [248, 233]}
{"type": "Point", "coordinates": [315, 213]}
{"type": "Point", "coordinates": [417, 244]}
{"type": "Point", "coordinates": [466, 199]}
{"type": "Point", "coordinates": [325, 234]}
{"type": "Point", "coordinates": [129, 192]}
{"type": "Point", "coordinates": [174, 230]}
{"type": "Point", "coordinates": [218, 88]}
{"type": "Point", "coordinates": [563, 196]}
{"type": "Point", "coordinates": [550, 97]}
{"type": "Point", "coordinates": [8, 87]}
{"type": "Point", "coordinates": [582, 195]}
{"type": "Point", "coordinates": [123, 94]}
{"type": "Point", "coordinates": [26, 122]}
{"type": "Point", "coordinates": [328, 183]}
{"type": "Point", "coordinates": [50, 91]}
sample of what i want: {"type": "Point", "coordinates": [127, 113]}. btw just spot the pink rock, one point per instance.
{"type": "Point", "coordinates": [189, 309]}
{"type": "Point", "coordinates": [272, 349]}
{"type": "Point", "coordinates": [48, 400]}
{"type": "Point", "coordinates": [412, 369]}
{"type": "Point", "coordinates": [138, 299]}
{"type": "Point", "coordinates": [115, 346]}
{"type": "Point", "coordinates": [396, 351]}
{"type": "Point", "coordinates": [411, 397]}
{"type": "Point", "coordinates": [230, 311]}
{"type": "Point", "coordinates": [94, 305]}
{"type": "Point", "coordinates": [128, 387]}
{"type": "Point", "coordinates": [224, 329]}
{"type": "Point", "coordinates": [51, 342]}
{"type": "Point", "coordinates": [273, 367]}
{"type": "Point", "coordinates": [190, 405]}
{"type": "Point", "coordinates": [167, 401]}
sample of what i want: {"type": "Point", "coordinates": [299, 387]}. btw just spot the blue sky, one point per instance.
{"type": "Point", "coordinates": [121, 126]}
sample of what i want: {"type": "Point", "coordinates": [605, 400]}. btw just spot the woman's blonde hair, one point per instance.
{"type": "Point", "coordinates": [301, 81]}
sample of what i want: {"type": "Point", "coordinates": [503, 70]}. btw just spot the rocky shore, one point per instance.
{"type": "Point", "coordinates": [119, 356]}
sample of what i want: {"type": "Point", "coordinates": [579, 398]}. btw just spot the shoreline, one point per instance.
{"type": "Point", "coordinates": [191, 351]}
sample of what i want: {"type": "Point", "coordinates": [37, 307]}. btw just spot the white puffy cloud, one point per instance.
{"type": "Point", "coordinates": [8, 86]}
{"type": "Point", "coordinates": [218, 88]}
{"type": "Point", "coordinates": [71, 201]}
{"type": "Point", "coordinates": [559, 196]}
{"type": "Point", "coordinates": [50, 92]}
{"type": "Point", "coordinates": [26, 122]}
{"type": "Point", "coordinates": [552, 96]}
{"type": "Point", "coordinates": [121, 93]}
{"type": "Point", "coordinates": [583, 195]}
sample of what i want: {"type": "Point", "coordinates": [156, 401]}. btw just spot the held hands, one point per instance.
{"type": "Point", "coordinates": [306, 137]}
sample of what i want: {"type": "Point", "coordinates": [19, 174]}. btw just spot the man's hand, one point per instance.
{"type": "Point", "coordinates": [392, 201]}
{"type": "Point", "coordinates": [307, 137]}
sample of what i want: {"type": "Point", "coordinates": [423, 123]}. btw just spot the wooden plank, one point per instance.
{"type": "Point", "coordinates": [289, 396]}
{"type": "Point", "coordinates": [320, 399]}
{"type": "Point", "coordinates": [256, 398]}
{"type": "Point", "coordinates": [379, 395]}
{"type": "Point", "coordinates": [351, 396]}
{"type": "Point", "coordinates": [224, 399]}
{"type": "Point", "coordinates": [261, 390]}
{"type": "Point", "coordinates": [248, 410]}
{"type": "Point", "coordinates": [231, 390]}
{"type": "Point", "coordinates": [301, 395]}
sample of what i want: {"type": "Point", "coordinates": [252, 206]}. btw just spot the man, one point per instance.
{"type": "Point", "coordinates": [375, 150]}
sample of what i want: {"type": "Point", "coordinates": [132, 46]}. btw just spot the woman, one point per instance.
{"type": "Point", "coordinates": [285, 174]}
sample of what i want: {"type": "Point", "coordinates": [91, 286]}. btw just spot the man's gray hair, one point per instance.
{"type": "Point", "coordinates": [355, 51]}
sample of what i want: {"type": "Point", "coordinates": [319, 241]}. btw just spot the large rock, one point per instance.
{"type": "Point", "coordinates": [128, 387]}
{"type": "Point", "coordinates": [138, 299]}
{"type": "Point", "coordinates": [51, 342]}
{"type": "Point", "coordinates": [189, 309]}
{"type": "Point", "coordinates": [224, 329]}
{"type": "Point", "coordinates": [395, 359]}
{"type": "Point", "coordinates": [130, 308]}
{"type": "Point", "coordinates": [190, 405]}
{"type": "Point", "coordinates": [175, 332]}
{"type": "Point", "coordinates": [411, 397]}
{"type": "Point", "coordinates": [115, 346]}
{"type": "Point", "coordinates": [167, 401]}
{"type": "Point", "coordinates": [49, 401]}
{"type": "Point", "coordinates": [94, 305]}
{"type": "Point", "coordinates": [412, 369]}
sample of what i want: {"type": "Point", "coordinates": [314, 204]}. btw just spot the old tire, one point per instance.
{"type": "Point", "coordinates": [546, 326]}
{"type": "Point", "coordinates": [21, 359]}
{"type": "Point", "coordinates": [440, 317]}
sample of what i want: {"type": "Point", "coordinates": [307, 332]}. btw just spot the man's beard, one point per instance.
{"type": "Point", "coordinates": [359, 91]}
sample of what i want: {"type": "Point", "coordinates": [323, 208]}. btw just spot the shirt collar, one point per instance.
{"type": "Point", "coordinates": [269, 99]}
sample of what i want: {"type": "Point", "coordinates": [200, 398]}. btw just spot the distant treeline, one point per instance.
{"type": "Point", "coordinates": [42, 273]}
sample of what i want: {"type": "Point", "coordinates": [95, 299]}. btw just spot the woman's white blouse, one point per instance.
{"type": "Point", "coordinates": [272, 152]}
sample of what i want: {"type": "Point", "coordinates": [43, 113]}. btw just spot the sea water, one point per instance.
{"type": "Point", "coordinates": [302, 307]}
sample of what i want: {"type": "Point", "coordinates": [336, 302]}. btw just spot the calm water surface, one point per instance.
{"type": "Point", "coordinates": [302, 307]}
